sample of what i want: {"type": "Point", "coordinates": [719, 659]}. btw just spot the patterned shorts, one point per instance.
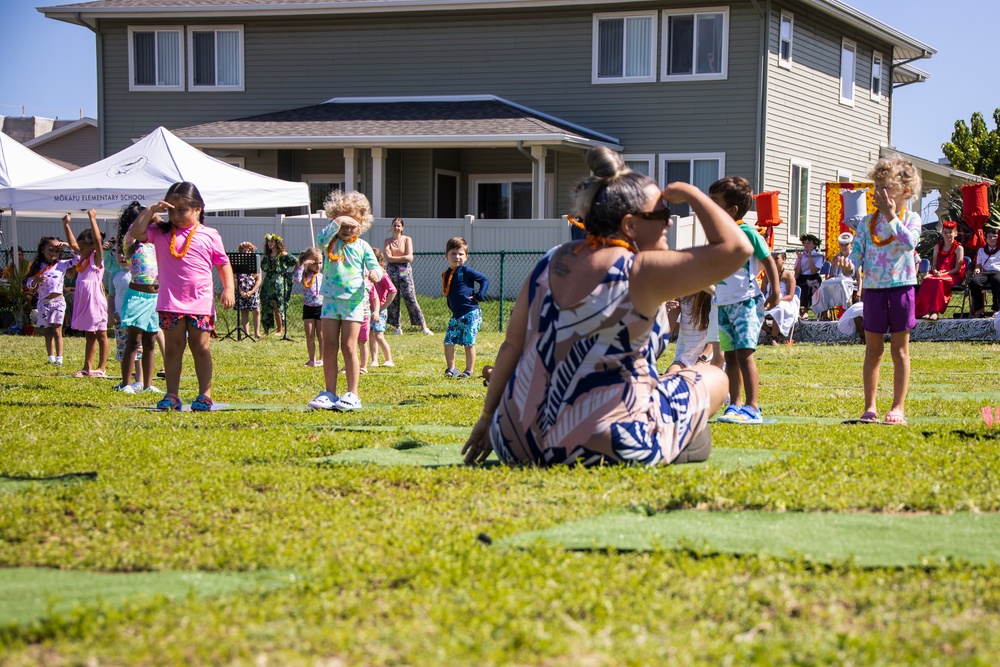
{"type": "Point", "coordinates": [378, 326]}
{"type": "Point", "coordinates": [201, 322]}
{"type": "Point", "coordinates": [739, 324]}
{"type": "Point", "coordinates": [351, 309]}
{"type": "Point", "coordinates": [463, 330]}
{"type": "Point", "coordinates": [51, 312]}
{"type": "Point", "coordinates": [121, 338]}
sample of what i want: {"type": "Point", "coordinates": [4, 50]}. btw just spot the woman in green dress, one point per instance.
{"type": "Point", "coordinates": [276, 287]}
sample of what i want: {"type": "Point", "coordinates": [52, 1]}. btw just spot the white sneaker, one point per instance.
{"type": "Point", "coordinates": [152, 390]}
{"type": "Point", "coordinates": [428, 332]}
{"type": "Point", "coordinates": [388, 364]}
{"type": "Point", "coordinates": [137, 387]}
{"type": "Point", "coordinates": [399, 331]}
{"type": "Point", "coordinates": [125, 389]}
{"type": "Point", "coordinates": [348, 401]}
{"type": "Point", "coordinates": [373, 364]}
{"type": "Point", "coordinates": [324, 401]}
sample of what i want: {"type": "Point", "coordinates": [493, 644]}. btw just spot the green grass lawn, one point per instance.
{"type": "Point", "coordinates": [392, 565]}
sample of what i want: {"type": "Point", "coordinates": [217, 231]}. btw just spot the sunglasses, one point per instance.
{"type": "Point", "coordinates": [655, 214]}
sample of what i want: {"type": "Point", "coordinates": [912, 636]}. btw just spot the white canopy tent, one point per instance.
{"type": "Point", "coordinates": [144, 171]}
{"type": "Point", "coordinates": [19, 166]}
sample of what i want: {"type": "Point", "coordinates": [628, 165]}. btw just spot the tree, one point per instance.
{"type": "Point", "coordinates": [975, 150]}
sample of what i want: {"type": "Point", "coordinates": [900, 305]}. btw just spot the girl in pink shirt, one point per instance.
{"type": "Point", "coordinates": [90, 304]}
{"type": "Point", "coordinates": [186, 251]}
{"type": "Point", "coordinates": [385, 292]}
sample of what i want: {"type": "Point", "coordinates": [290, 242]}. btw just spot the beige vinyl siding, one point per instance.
{"type": "Point", "coordinates": [805, 120]}
{"type": "Point", "coordinates": [79, 147]}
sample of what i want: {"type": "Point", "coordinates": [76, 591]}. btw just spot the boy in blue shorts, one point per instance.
{"type": "Point", "coordinates": [741, 305]}
{"type": "Point", "coordinates": [457, 284]}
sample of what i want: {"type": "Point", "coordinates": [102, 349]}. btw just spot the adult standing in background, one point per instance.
{"type": "Point", "coordinates": [398, 257]}
{"type": "Point", "coordinates": [276, 287]}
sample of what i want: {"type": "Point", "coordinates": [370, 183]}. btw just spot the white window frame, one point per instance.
{"type": "Point", "coordinates": [648, 158]}
{"type": "Point", "coordinates": [876, 90]}
{"type": "Point", "coordinates": [458, 187]}
{"type": "Point", "coordinates": [844, 176]}
{"type": "Point", "coordinates": [132, 86]}
{"type": "Point", "coordinates": [794, 230]}
{"type": "Point", "coordinates": [476, 179]}
{"type": "Point", "coordinates": [848, 45]}
{"type": "Point", "coordinates": [595, 49]}
{"type": "Point", "coordinates": [664, 158]}
{"type": "Point", "coordinates": [665, 45]}
{"type": "Point", "coordinates": [236, 161]}
{"type": "Point", "coordinates": [239, 59]}
{"type": "Point", "coordinates": [790, 19]}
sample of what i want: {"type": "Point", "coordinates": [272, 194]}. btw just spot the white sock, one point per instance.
{"type": "Point", "coordinates": [58, 360]}
{"type": "Point", "coordinates": [52, 359]}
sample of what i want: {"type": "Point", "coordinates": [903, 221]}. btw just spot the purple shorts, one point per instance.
{"type": "Point", "coordinates": [889, 309]}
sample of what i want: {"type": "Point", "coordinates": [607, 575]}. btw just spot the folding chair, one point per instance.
{"type": "Point", "coordinates": [963, 287]}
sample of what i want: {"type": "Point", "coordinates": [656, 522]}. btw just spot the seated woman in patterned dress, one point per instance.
{"type": "Point", "coordinates": [575, 380]}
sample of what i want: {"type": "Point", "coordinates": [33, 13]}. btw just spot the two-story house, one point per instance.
{"type": "Point", "coordinates": [439, 108]}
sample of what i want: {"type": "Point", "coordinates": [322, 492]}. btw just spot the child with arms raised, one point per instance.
{"type": "Point", "coordinates": [186, 251]}
{"type": "Point", "coordinates": [47, 274]}
{"type": "Point", "coordinates": [308, 272]}
{"type": "Point", "coordinates": [741, 305]}
{"type": "Point", "coordinates": [457, 283]}
{"type": "Point", "coordinates": [883, 251]}
{"type": "Point", "coordinates": [348, 258]}
{"type": "Point", "coordinates": [90, 304]}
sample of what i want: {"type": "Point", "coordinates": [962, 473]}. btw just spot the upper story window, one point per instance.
{"type": "Point", "coordinates": [696, 44]}
{"type": "Point", "coordinates": [876, 87]}
{"type": "Point", "coordinates": [215, 58]}
{"type": "Point", "coordinates": [848, 57]}
{"type": "Point", "coordinates": [155, 59]}
{"type": "Point", "coordinates": [785, 40]}
{"type": "Point", "coordinates": [698, 169]}
{"type": "Point", "coordinates": [623, 48]}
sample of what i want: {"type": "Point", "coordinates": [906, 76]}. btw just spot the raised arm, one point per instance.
{"type": "Point", "coordinates": [141, 224]}
{"type": "Point", "coordinates": [98, 246]}
{"type": "Point", "coordinates": [70, 238]}
{"type": "Point", "coordinates": [661, 275]}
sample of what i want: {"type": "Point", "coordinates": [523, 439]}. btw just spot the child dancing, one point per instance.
{"type": "Point", "coordinates": [466, 318]}
{"type": "Point", "coordinates": [385, 292]}
{"type": "Point", "coordinates": [90, 304]}
{"type": "Point", "coordinates": [308, 273]}
{"type": "Point", "coordinates": [47, 274]}
{"type": "Point", "coordinates": [186, 251]}
{"type": "Point", "coordinates": [883, 251]}
{"type": "Point", "coordinates": [348, 258]}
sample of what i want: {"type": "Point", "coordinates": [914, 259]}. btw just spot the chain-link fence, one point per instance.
{"type": "Point", "coordinates": [507, 271]}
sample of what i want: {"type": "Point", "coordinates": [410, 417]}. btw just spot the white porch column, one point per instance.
{"type": "Point", "coordinates": [378, 182]}
{"type": "Point", "coordinates": [350, 169]}
{"type": "Point", "coordinates": [538, 181]}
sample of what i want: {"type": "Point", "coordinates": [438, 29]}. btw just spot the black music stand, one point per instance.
{"type": "Point", "coordinates": [242, 263]}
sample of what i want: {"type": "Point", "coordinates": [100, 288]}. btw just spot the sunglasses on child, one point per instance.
{"type": "Point", "coordinates": [655, 214]}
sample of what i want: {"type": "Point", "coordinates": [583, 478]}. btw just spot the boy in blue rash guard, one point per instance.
{"type": "Point", "coordinates": [457, 284]}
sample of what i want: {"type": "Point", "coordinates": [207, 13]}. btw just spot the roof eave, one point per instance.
{"type": "Point", "coordinates": [398, 141]}
{"type": "Point", "coordinates": [904, 47]}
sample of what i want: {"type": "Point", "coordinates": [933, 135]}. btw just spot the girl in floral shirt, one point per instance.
{"type": "Point", "coordinates": [309, 273]}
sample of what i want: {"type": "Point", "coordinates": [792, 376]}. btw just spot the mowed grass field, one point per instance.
{"type": "Point", "coordinates": [353, 564]}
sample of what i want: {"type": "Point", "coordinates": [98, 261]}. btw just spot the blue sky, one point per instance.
{"type": "Point", "coordinates": [55, 75]}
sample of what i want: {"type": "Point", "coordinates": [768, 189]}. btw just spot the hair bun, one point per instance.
{"type": "Point", "coordinates": [605, 163]}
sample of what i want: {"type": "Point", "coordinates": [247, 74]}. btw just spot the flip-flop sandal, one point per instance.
{"type": "Point", "coordinates": [81, 374]}
{"type": "Point", "coordinates": [869, 417]}
{"type": "Point", "coordinates": [894, 418]}
{"type": "Point", "coordinates": [169, 402]}
{"type": "Point", "coordinates": [97, 374]}
{"type": "Point", "coordinates": [201, 404]}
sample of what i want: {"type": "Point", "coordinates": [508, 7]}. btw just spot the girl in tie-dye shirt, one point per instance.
{"type": "Point", "coordinates": [884, 251]}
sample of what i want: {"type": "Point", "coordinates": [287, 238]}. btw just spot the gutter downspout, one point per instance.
{"type": "Point", "coordinates": [761, 129]}
{"type": "Point", "coordinates": [102, 152]}
{"type": "Point", "coordinates": [536, 169]}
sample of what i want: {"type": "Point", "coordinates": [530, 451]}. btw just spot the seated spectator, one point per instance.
{"type": "Point", "coordinates": [837, 291]}
{"type": "Point", "coordinates": [947, 268]}
{"type": "Point", "coordinates": [808, 263]}
{"type": "Point", "coordinates": [778, 321]}
{"type": "Point", "coordinates": [987, 272]}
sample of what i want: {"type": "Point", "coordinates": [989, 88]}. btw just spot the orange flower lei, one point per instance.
{"type": "Point", "coordinates": [446, 286]}
{"type": "Point", "coordinates": [892, 237]}
{"type": "Point", "coordinates": [81, 266]}
{"type": "Point", "coordinates": [42, 271]}
{"type": "Point", "coordinates": [343, 244]}
{"type": "Point", "coordinates": [594, 242]}
{"type": "Point", "coordinates": [309, 280]}
{"type": "Point", "coordinates": [187, 243]}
